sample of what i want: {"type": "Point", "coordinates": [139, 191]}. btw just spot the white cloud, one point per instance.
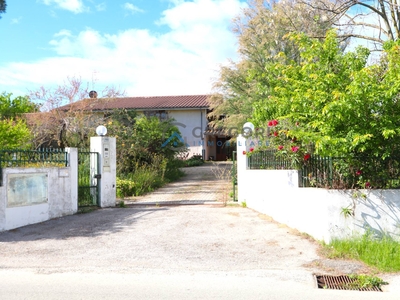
{"type": "Point", "coordinates": [183, 60]}
{"type": "Point", "coordinates": [75, 6]}
{"type": "Point", "coordinates": [101, 7]}
{"type": "Point", "coordinates": [16, 20]}
{"type": "Point", "coordinates": [132, 8]}
{"type": "Point", "coordinates": [188, 14]}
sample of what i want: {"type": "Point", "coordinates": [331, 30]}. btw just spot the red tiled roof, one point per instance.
{"type": "Point", "coordinates": [148, 103]}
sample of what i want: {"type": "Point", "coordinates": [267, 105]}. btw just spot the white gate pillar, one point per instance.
{"type": "Point", "coordinates": [241, 148]}
{"type": "Point", "coordinates": [106, 147]}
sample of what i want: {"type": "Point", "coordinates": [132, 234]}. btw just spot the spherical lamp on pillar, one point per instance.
{"type": "Point", "coordinates": [101, 130]}
{"type": "Point", "coordinates": [248, 129]}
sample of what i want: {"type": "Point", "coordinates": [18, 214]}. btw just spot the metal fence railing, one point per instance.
{"type": "Point", "coordinates": [268, 160]}
{"type": "Point", "coordinates": [351, 172]}
{"type": "Point", "coordinates": [46, 157]}
{"type": "Point", "coordinates": [357, 171]}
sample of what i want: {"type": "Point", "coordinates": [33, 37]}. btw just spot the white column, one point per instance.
{"type": "Point", "coordinates": [106, 147]}
{"type": "Point", "coordinates": [241, 147]}
{"type": "Point", "coordinates": [73, 174]}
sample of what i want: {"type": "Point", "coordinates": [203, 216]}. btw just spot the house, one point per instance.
{"type": "Point", "coordinates": [189, 112]}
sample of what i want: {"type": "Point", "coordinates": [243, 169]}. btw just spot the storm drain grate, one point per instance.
{"type": "Point", "coordinates": [342, 282]}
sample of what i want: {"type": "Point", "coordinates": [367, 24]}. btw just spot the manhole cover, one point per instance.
{"type": "Point", "coordinates": [343, 282]}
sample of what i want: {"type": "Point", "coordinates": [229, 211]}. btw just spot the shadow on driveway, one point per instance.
{"type": "Point", "coordinates": [96, 223]}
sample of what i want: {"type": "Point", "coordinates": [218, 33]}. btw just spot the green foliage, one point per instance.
{"type": "Point", "coordinates": [143, 163]}
{"type": "Point", "coordinates": [13, 130]}
{"type": "Point", "coordinates": [14, 134]}
{"type": "Point", "coordinates": [261, 30]}
{"type": "Point", "coordinates": [331, 103]}
{"type": "Point", "coordinates": [342, 105]}
{"type": "Point", "coordinates": [125, 187]}
{"type": "Point", "coordinates": [141, 148]}
{"type": "Point", "coordinates": [364, 281]}
{"type": "Point", "coordinates": [143, 179]}
{"type": "Point", "coordinates": [140, 141]}
{"type": "Point", "coordinates": [347, 211]}
{"type": "Point", "coordinates": [194, 161]}
{"type": "Point", "coordinates": [173, 171]}
{"type": "Point", "coordinates": [11, 108]}
{"type": "Point", "coordinates": [380, 252]}
{"type": "Point", "coordinates": [3, 6]}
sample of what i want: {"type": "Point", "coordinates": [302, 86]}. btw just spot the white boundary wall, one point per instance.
{"type": "Point", "coordinates": [315, 211]}
{"type": "Point", "coordinates": [62, 195]}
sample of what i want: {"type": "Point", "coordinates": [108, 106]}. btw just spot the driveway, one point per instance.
{"type": "Point", "coordinates": [167, 246]}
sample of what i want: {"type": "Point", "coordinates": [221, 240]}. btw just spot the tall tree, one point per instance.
{"type": "Point", "coordinates": [335, 100]}
{"type": "Point", "coordinates": [376, 21]}
{"type": "Point", "coordinates": [261, 31]}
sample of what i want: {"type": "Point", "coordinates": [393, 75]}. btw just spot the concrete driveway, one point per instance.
{"type": "Point", "coordinates": [167, 246]}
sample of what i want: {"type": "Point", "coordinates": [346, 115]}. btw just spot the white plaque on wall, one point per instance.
{"type": "Point", "coordinates": [26, 189]}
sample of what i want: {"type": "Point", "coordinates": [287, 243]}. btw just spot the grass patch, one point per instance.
{"type": "Point", "coordinates": [364, 281]}
{"type": "Point", "coordinates": [382, 253]}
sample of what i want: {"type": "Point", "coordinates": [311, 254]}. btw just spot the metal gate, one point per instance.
{"type": "Point", "coordinates": [88, 176]}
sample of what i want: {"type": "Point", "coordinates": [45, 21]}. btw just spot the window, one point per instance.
{"type": "Point", "coordinates": [160, 114]}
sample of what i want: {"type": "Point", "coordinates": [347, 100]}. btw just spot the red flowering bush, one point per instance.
{"type": "Point", "coordinates": [273, 123]}
{"type": "Point", "coordinates": [280, 136]}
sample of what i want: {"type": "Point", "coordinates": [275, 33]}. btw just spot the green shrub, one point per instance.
{"type": "Point", "coordinates": [194, 161]}
{"type": "Point", "coordinates": [125, 188]}
{"type": "Point", "coordinates": [173, 171]}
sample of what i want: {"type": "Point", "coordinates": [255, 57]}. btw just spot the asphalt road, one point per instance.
{"type": "Point", "coordinates": [161, 251]}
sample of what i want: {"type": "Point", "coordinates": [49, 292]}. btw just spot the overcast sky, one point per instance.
{"type": "Point", "coordinates": [145, 47]}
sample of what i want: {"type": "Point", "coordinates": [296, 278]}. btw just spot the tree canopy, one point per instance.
{"type": "Point", "coordinates": [3, 6]}
{"type": "Point", "coordinates": [376, 21]}
{"type": "Point", "coordinates": [14, 132]}
{"type": "Point", "coordinates": [261, 31]}
{"type": "Point", "coordinates": [333, 100]}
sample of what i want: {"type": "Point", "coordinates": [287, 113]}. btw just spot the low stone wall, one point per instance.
{"type": "Point", "coordinates": [315, 211]}
{"type": "Point", "coordinates": [33, 195]}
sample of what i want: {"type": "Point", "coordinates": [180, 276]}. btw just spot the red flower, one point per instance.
{"type": "Point", "coordinates": [367, 184]}
{"type": "Point", "coordinates": [251, 149]}
{"type": "Point", "coordinates": [280, 147]}
{"type": "Point", "coordinates": [295, 148]}
{"type": "Point", "coordinates": [275, 133]}
{"type": "Point", "coordinates": [359, 172]}
{"type": "Point", "coordinates": [272, 123]}
{"type": "Point", "coordinates": [244, 152]}
{"type": "Point", "coordinates": [307, 156]}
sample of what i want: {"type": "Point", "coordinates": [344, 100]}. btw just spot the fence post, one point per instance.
{"type": "Point", "coordinates": [242, 165]}
{"type": "Point", "coordinates": [72, 163]}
